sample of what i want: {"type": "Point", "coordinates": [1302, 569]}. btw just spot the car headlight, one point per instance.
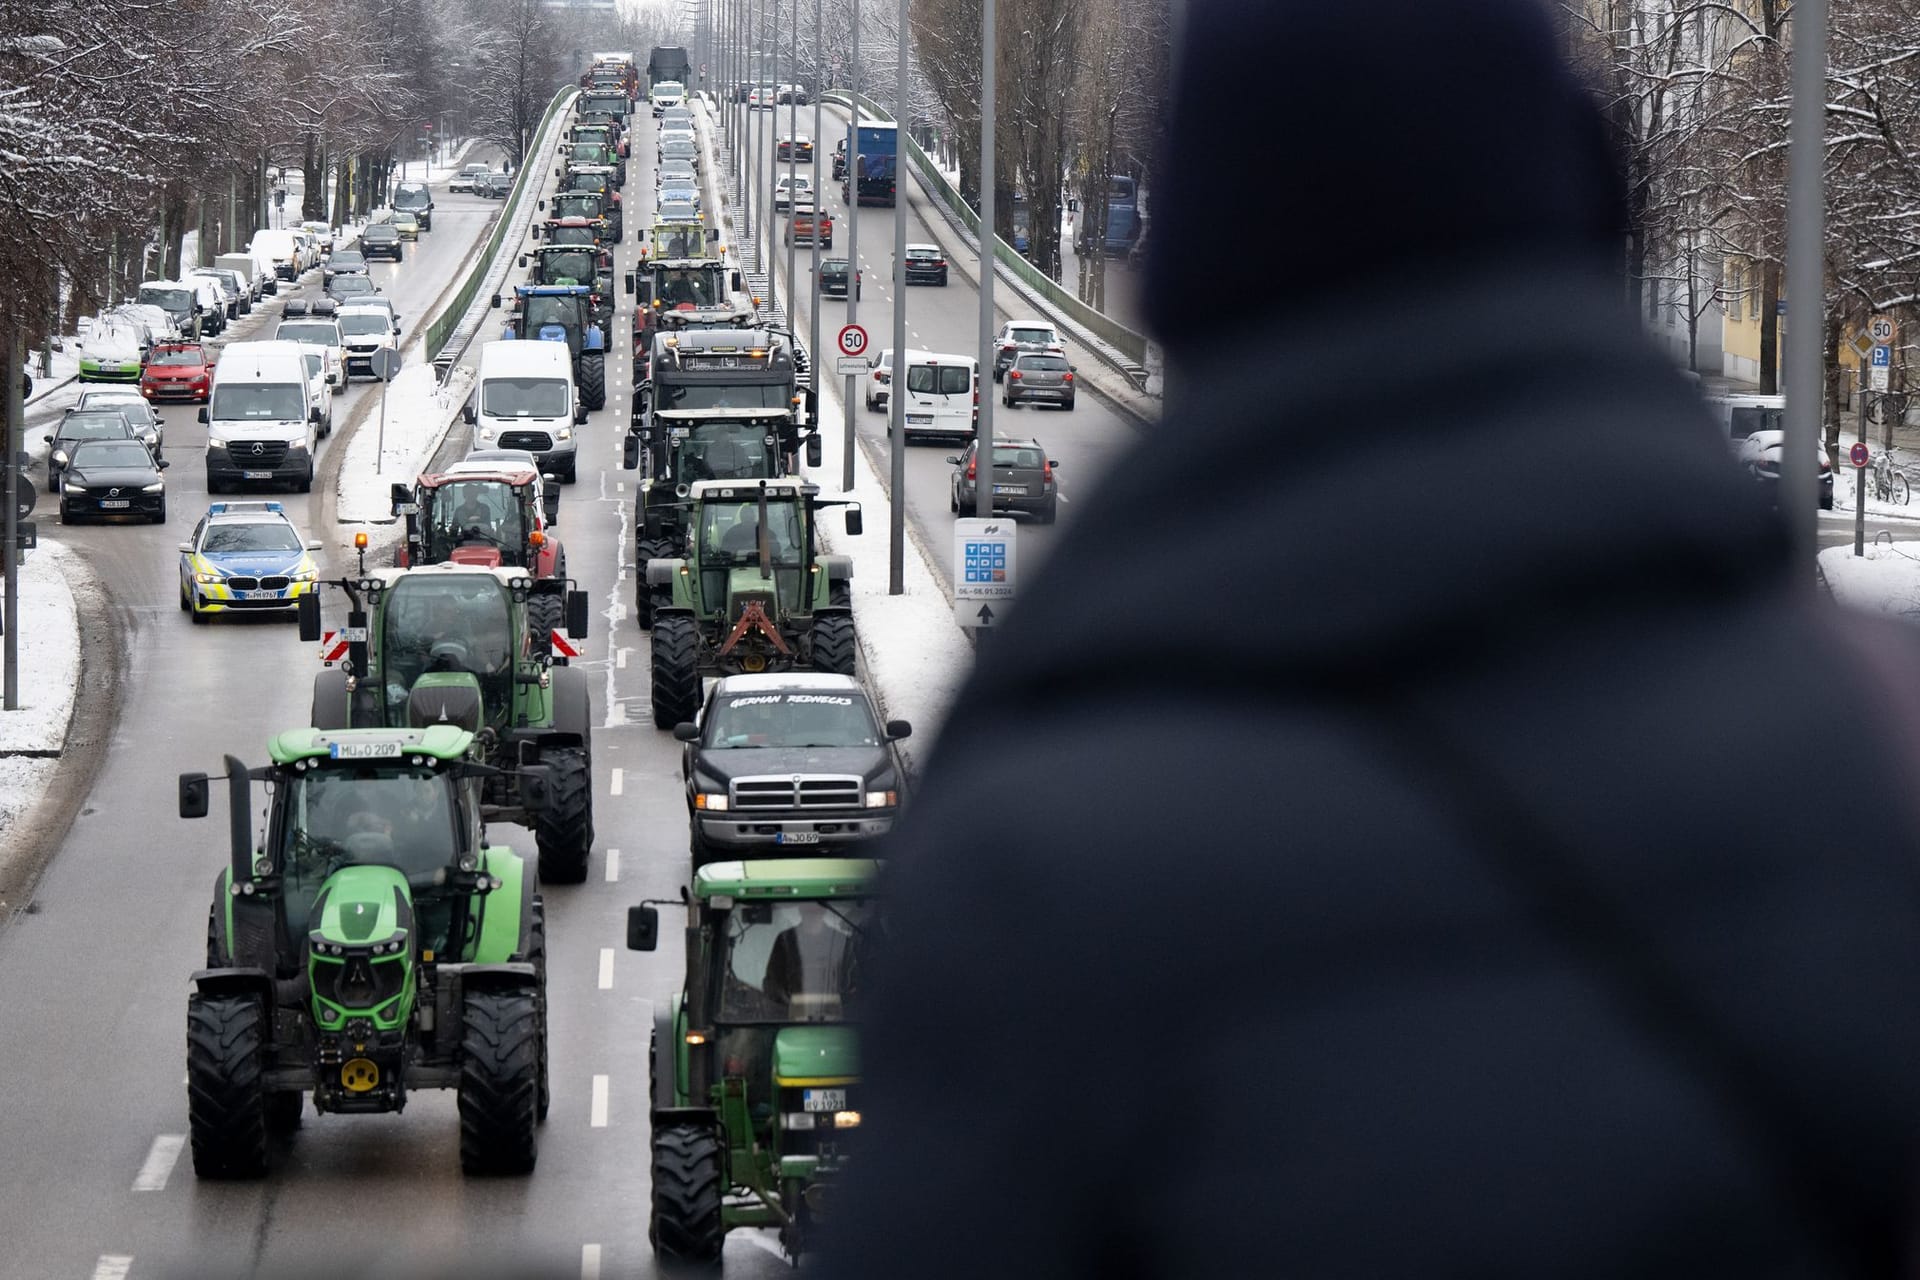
{"type": "Point", "coordinates": [74, 488]}
{"type": "Point", "coordinates": [306, 575]}
{"type": "Point", "coordinates": [158, 486]}
{"type": "Point", "coordinates": [882, 799]}
{"type": "Point", "coordinates": [566, 433]}
{"type": "Point", "coordinates": [215, 442]}
{"type": "Point", "coordinates": [208, 579]}
{"type": "Point", "coordinates": [710, 802]}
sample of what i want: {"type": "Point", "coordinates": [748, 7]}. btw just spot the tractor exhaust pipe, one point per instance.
{"type": "Point", "coordinates": [239, 821]}
{"type": "Point", "coordinates": [766, 544]}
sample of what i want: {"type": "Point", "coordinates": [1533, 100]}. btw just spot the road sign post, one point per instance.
{"type": "Point", "coordinates": [1879, 367]}
{"type": "Point", "coordinates": [985, 568]}
{"type": "Point", "coordinates": [1859, 456]}
{"type": "Point", "coordinates": [385, 364]}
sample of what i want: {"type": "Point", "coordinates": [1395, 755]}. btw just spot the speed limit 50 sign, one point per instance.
{"type": "Point", "coordinates": [853, 340]}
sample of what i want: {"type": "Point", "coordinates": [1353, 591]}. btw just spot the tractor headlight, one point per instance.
{"type": "Point", "coordinates": [882, 799]}
{"type": "Point", "coordinates": [710, 802]}
{"type": "Point", "coordinates": [469, 863]}
{"type": "Point", "coordinates": [846, 1119]}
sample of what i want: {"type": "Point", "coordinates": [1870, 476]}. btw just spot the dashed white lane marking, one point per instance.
{"type": "Point", "coordinates": [113, 1266]}
{"type": "Point", "coordinates": [589, 1262]}
{"type": "Point", "coordinates": [620, 658]}
{"type": "Point", "coordinates": [158, 1168]}
{"type": "Point", "coordinates": [599, 1119]}
{"type": "Point", "coordinates": [613, 865]}
{"type": "Point", "coordinates": [606, 968]}
{"type": "Point", "coordinates": [619, 783]}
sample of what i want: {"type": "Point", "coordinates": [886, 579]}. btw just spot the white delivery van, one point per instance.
{"type": "Point", "coordinates": [281, 249]}
{"type": "Point", "coordinates": [942, 394]}
{"type": "Point", "coordinates": [524, 398]}
{"type": "Point", "coordinates": [262, 423]}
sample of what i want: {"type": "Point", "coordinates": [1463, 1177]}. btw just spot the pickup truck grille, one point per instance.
{"type": "Point", "coordinates": [795, 792]}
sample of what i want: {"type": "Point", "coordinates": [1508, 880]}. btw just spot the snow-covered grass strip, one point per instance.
{"type": "Point", "coordinates": [419, 413]}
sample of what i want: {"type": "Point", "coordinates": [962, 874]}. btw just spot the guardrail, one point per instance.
{"type": "Point", "coordinates": [1122, 339]}
{"type": "Point", "coordinates": [530, 173]}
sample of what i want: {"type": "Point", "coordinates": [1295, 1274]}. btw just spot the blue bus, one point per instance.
{"type": "Point", "coordinates": [873, 156]}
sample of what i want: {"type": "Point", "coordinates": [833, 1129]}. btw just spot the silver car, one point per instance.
{"type": "Point", "coordinates": [1038, 377]}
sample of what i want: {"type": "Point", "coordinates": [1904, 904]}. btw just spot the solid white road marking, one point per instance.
{"type": "Point", "coordinates": [113, 1266]}
{"type": "Point", "coordinates": [160, 1161]}
{"type": "Point", "coordinates": [606, 968]}
{"type": "Point", "coordinates": [599, 1120]}
{"type": "Point", "coordinates": [613, 865]}
{"type": "Point", "coordinates": [589, 1262]}
{"type": "Point", "coordinates": [620, 658]}
{"type": "Point", "coordinates": [619, 781]}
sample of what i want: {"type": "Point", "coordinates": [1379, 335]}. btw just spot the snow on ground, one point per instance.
{"type": "Point", "coordinates": [32, 737]}
{"type": "Point", "coordinates": [1885, 580]}
{"type": "Point", "coordinates": [419, 412]}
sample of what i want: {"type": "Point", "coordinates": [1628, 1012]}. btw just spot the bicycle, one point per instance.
{"type": "Point", "coordinates": [1889, 481]}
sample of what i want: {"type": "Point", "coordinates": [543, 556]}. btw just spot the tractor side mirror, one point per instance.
{"type": "Point", "coordinates": [738, 287]}
{"type": "Point", "coordinates": [630, 453]}
{"type": "Point", "coordinates": [550, 500]}
{"type": "Point", "coordinates": [401, 496]}
{"type": "Point", "coordinates": [686, 731]}
{"type": "Point", "coordinates": [313, 415]}
{"type": "Point", "coordinates": [203, 418]}
{"type": "Point", "coordinates": [193, 795]}
{"type": "Point", "coordinates": [898, 729]}
{"type": "Point", "coordinates": [523, 259]}
{"type": "Point", "coordinates": [580, 415]}
{"type": "Point", "coordinates": [854, 524]}
{"type": "Point", "coordinates": [535, 781]}
{"type": "Point", "coordinates": [629, 283]}
{"type": "Point", "coordinates": [643, 928]}
{"type": "Point", "coordinates": [494, 301]}
{"type": "Point", "coordinates": [542, 204]}
{"type": "Point", "coordinates": [466, 413]}
{"type": "Point", "coordinates": [536, 231]}
{"type": "Point", "coordinates": [577, 606]}
{"type": "Point", "coordinates": [814, 450]}
{"type": "Point", "coordinates": [308, 611]}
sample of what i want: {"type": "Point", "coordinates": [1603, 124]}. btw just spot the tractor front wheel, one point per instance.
{"type": "Point", "coordinates": [545, 615]}
{"type": "Point", "coordinates": [593, 379]}
{"type": "Point", "coordinates": [648, 549]}
{"type": "Point", "coordinates": [676, 670]}
{"type": "Point", "coordinates": [536, 955]}
{"type": "Point", "coordinates": [833, 643]}
{"type": "Point", "coordinates": [227, 1086]}
{"type": "Point", "coordinates": [686, 1228]}
{"type": "Point", "coordinates": [499, 1082]}
{"type": "Point", "coordinates": [563, 830]}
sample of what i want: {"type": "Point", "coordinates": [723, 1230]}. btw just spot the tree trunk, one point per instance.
{"type": "Point", "coordinates": [313, 172]}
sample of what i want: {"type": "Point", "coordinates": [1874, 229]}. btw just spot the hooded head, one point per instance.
{"type": "Point", "coordinates": [1342, 146]}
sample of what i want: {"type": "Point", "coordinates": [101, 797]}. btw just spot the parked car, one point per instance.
{"type": "Point", "coordinates": [1022, 479]}
{"type": "Point", "coordinates": [1762, 453]}
{"type": "Point", "coordinates": [114, 349]}
{"type": "Point", "coordinates": [1038, 377]}
{"type": "Point", "coordinates": [77, 425]}
{"type": "Point", "coordinates": [493, 184]}
{"type": "Point", "coordinates": [233, 294]}
{"type": "Point", "coordinates": [178, 371]}
{"type": "Point", "coordinates": [926, 264]}
{"type": "Point", "coordinates": [113, 478]}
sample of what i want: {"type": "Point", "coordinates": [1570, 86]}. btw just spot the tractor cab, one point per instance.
{"type": "Point", "coordinates": [594, 179]}
{"type": "Point", "coordinates": [574, 233]}
{"type": "Point", "coordinates": [763, 1062]}
{"type": "Point", "coordinates": [570, 264]}
{"type": "Point", "coordinates": [678, 240]}
{"type": "Point", "coordinates": [576, 204]}
{"type": "Point", "coordinates": [589, 153]}
{"type": "Point", "coordinates": [684, 449]}
{"type": "Point", "coordinates": [488, 519]}
{"type": "Point", "coordinates": [449, 646]}
{"type": "Point", "coordinates": [554, 313]}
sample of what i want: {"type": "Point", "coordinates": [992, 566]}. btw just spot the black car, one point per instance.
{"type": "Point", "coordinates": [344, 262]}
{"type": "Point", "coordinates": [113, 478]}
{"type": "Point", "coordinates": [790, 762]}
{"type": "Point", "coordinates": [346, 288]}
{"type": "Point", "coordinates": [381, 240]}
{"type": "Point", "coordinates": [80, 425]}
{"type": "Point", "coordinates": [926, 264]}
{"type": "Point", "coordinates": [417, 199]}
{"type": "Point", "coordinates": [833, 278]}
{"type": "Point", "coordinates": [840, 160]}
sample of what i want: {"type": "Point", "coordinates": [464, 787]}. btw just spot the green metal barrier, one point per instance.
{"type": "Point", "coordinates": [1110, 331]}
{"type": "Point", "coordinates": [525, 183]}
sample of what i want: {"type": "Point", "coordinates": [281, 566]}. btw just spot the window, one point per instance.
{"type": "Point", "coordinates": [940, 379]}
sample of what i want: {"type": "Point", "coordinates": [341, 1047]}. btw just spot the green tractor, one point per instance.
{"type": "Point", "coordinates": [756, 1061]}
{"type": "Point", "coordinates": [369, 944]}
{"type": "Point", "coordinates": [751, 594]}
{"type": "Point", "coordinates": [675, 450]}
{"type": "Point", "coordinates": [569, 265]}
{"type": "Point", "coordinates": [455, 643]}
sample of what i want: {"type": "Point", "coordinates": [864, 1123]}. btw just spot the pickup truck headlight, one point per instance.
{"type": "Point", "coordinates": [710, 802]}
{"type": "Point", "coordinates": [882, 799]}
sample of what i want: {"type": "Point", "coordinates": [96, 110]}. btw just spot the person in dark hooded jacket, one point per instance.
{"type": "Point", "coordinates": [1439, 835]}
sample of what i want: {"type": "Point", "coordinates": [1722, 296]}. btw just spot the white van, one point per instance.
{"type": "Point", "coordinates": [262, 423]}
{"type": "Point", "coordinates": [280, 248]}
{"type": "Point", "coordinates": [524, 398]}
{"type": "Point", "coordinates": [1740, 415]}
{"type": "Point", "coordinates": [942, 390]}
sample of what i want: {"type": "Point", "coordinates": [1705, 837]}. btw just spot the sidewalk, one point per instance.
{"type": "Point", "coordinates": [33, 737]}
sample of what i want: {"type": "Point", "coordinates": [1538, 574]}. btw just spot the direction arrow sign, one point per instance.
{"type": "Point", "coordinates": [853, 340]}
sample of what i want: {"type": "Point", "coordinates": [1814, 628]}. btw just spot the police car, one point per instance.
{"type": "Point", "coordinates": [244, 556]}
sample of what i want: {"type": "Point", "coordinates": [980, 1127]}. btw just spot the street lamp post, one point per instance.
{"type": "Point", "coordinates": [983, 428]}
{"type": "Point", "coordinates": [853, 244]}
{"type": "Point", "coordinates": [1806, 280]}
{"type": "Point", "coordinates": [896, 399]}
{"type": "Point", "coordinates": [819, 207]}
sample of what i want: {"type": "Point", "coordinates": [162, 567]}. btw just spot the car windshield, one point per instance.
{"type": "Point", "coordinates": [939, 379]}
{"type": "Point", "coordinates": [347, 285]}
{"type": "Point", "coordinates": [380, 232]}
{"type": "Point", "coordinates": [412, 197]}
{"type": "Point", "coordinates": [1043, 337]}
{"type": "Point", "coordinates": [257, 402]}
{"type": "Point", "coordinates": [724, 451]}
{"type": "Point", "coordinates": [793, 961]}
{"type": "Point", "coordinates": [111, 453]}
{"type": "Point", "coordinates": [730, 531]}
{"type": "Point", "coordinates": [95, 426]}
{"type": "Point", "coordinates": [676, 169]}
{"type": "Point", "coordinates": [791, 720]}
{"type": "Point", "coordinates": [321, 335]}
{"type": "Point", "coordinates": [348, 258]}
{"type": "Point", "coordinates": [460, 622]}
{"type": "Point", "coordinates": [365, 816]}
{"type": "Point", "coordinates": [250, 535]}
{"type": "Point", "coordinates": [475, 512]}
{"type": "Point", "coordinates": [176, 357]}
{"type": "Point", "coordinates": [363, 322]}
{"type": "Point", "coordinates": [524, 397]}
{"type": "Point", "coordinates": [167, 299]}
{"type": "Point", "coordinates": [1746, 421]}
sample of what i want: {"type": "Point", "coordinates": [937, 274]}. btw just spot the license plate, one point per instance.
{"type": "Point", "coordinates": [797, 837]}
{"type": "Point", "coordinates": [1009, 488]}
{"type": "Point", "coordinates": [256, 595]}
{"type": "Point", "coordinates": [823, 1099]}
{"type": "Point", "coordinates": [364, 750]}
{"type": "Point", "coordinates": [920, 419]}
{"type": "Point", "coordinates": [114, 504]}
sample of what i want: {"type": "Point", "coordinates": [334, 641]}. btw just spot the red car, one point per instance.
{"type": "Point", "coordinates": [178, 371]}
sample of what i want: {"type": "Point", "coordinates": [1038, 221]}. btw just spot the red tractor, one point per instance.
{"type": "Point", "coordinates": [489, 512]}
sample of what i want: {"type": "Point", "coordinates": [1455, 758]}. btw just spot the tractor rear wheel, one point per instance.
{"type": "Point", "coordinates": [226, 1086]}
{"type": "Point", "coordinates": [499, 1082]}
{"type": "Point", "coordinates": [648, 549]}
{"type": "Point", "coordinates": [536, 955]}
{"type": "Point", "coordinates": [686, 1229]}
{"type": "Point", "coordinates": [833, 644]}
{"type": "Point", "coordinates": [563, 830]}
{"type": "Point", "coordinates": [593, 379]}
{"type": "Point", "coordinates": [676, 669]}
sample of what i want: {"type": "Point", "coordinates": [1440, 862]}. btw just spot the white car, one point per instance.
{"type": "Point", "coordinates": [1024, 335]}
{"type": "Point", "coordinates": [463, 180]}
{"type": "Point", "coordinates": [366, 329]}
{"type": "Point", "coordinates": [316, 366]}
{"type": "Point", "coordinates": [324, 333]}
{"type": "Point", "coordinates": [879, 381]}
{"type": "Point", "coordinates": [788, 184]}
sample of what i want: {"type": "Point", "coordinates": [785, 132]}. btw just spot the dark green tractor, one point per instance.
{"type": "Point", "coordinates": [455, 643]}
{"type": "Point", "coordinates": [751, 593]}
{"type": "Point", "coordinates": [756, 1062]}
{"type": "Point", "coordinates": [675, 450]}
{"type": "Point", "coordinates": [369, 943]}
{"type": "Point", "coordinates": [569, 265]}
